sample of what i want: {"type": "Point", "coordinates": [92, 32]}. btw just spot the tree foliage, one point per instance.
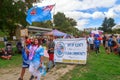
{"type": "Point", "coordinates": [47, 24]}
{"type": "Point", "coordinates": [116, 31]}
{"type": "Point", "coordinates": [61, 23]}
{"type": "Point", "coordinates": [107, 24]}
{"type": "Point", "coordinates": [11, 14]}
{"type": "Point", "coordinates": [65, 24]}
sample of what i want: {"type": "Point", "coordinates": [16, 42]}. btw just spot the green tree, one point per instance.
{"type": "Point", "coordinates": [107, 24]}
{"type": "Point", "coordinates": [65, 24]}
{"type": "Point", "coordinates": [11, 14]}
{"type": "Point", "coordinates": [47, 24]}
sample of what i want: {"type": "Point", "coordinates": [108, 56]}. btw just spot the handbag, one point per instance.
{"type": "Point", "coordinates": [48, 51]}
{"type": "Point", "coordinates": [42, 70]}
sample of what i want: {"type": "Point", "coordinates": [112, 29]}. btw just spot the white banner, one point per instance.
{"type": "Point", "coordinates": [70, 50]}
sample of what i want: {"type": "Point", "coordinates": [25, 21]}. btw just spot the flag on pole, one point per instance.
{"type": "Point", "coordinates": [49, 7]}
{"type": "Point", "coordinates": [39, 14]}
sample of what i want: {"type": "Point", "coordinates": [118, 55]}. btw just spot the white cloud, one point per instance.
{"type": "Point", "coordinates": [113, 12]}
{"type": "Point", "coordinates": [110, 14]}
{"type": "Point", "coordinates": [69, 7]}
{"type": "Point", "coordinates": [77, 15]}
{"type": "Point", "coordinates": [81, 23]}
{"type": "Point", "coordinates": [97, 14]}
{"type": "Point", "coordinates": [117, 8]}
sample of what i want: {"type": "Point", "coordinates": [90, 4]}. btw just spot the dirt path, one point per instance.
{"type": "Point", "coordinates": [53, 74]}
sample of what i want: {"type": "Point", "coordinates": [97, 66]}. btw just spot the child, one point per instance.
{"type": "Point", "coordinates": [96, 45]}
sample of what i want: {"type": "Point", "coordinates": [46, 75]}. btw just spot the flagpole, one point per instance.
{"type": "Point", "coordinates": [53, 24]}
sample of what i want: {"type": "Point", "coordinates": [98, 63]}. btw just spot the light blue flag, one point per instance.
{"type": "Point", "coordinates": [39, 14]}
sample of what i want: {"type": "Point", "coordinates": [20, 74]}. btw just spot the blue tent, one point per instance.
{"type": "Point", "coordinates": [55, 33]}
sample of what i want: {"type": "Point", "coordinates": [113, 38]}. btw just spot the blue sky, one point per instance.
{"type": "Point", "coordinates": [87, 13]}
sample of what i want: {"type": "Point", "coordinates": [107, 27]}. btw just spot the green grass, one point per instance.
{"type": "Point", "coordinates": [100, 67]}
{"type": "Point", "coordinates": [2, 45]}
{"type": "Point", "coordinates": [15, 61]}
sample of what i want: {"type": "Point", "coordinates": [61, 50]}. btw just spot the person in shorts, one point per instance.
{"type": "Point", "coordinates": [25, 58]}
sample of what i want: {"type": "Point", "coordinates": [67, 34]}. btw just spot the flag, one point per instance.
{"type": "Point", "coordinates": [39, 14]}
{"type": "Point", "coordinates": [49, 7]}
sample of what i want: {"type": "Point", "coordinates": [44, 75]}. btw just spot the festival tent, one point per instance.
{"type": "Point", "coordinates": [96, 33]}
{"type": "Point", "coordinates": [116, 27]}
{"type": "Point", "coordinates": [55, 33]}
{"type": "Point", "coordinates": [68, 36]}
{"type": "Point", "coordinates": [38, 34]}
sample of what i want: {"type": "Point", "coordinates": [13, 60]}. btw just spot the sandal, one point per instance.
{"type": "Point", "coordinates": [31, 78]}
{"type": "Point", "coordinates": [20, 79]}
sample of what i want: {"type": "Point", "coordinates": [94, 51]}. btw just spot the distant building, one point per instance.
{"type": "Point", "coordinates": [89, 29]}
{"type": "Point", "coordinates": [116, 27]}
{"type": "Point", "coordinates": [34, 30]}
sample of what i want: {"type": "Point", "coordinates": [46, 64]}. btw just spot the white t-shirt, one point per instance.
{"type": "Point", "coordinates": [90, 40]}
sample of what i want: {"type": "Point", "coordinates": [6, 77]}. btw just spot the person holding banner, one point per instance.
{"type": "Point", "coordinates": [51, 46]}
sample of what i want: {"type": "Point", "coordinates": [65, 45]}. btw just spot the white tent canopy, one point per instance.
{"type": "Point", "coordinates": [116, 27]}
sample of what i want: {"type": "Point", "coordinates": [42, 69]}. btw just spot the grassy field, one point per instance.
{"type": "Point", "coordinates": [100, 67]}
{"type": "Point", "coordinates": [2, 44]}
{"type": "Point", "coordinates": [14, 62]}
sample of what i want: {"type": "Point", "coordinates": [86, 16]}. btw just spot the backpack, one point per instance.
{"type": "Point", "coordinates": [113, 43]}
{"type": "Point", "coordinates": [110, 42]}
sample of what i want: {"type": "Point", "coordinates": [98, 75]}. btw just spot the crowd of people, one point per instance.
{"type": "Point", "coordinates": [110, 42]}
{"type": "Point", "coordinates": [33, 52]}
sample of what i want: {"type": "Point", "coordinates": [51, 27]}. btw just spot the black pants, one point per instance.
{"type": "Point", "coordinates": [91, 46]}
{"type": "Point", "coordinates": [104, 42]}
{"type": "Point", "coordinates": [97, 50]}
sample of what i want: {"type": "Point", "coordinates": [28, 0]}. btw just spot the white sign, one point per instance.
{"type": "Point", "coordinates": [1, 39]}
{"type": "Point", "coordinates": [24, 32]}
{"type": "Point", "coordinates": [70, 50]}
{"type": "Point", "coordinates": [14, 37]}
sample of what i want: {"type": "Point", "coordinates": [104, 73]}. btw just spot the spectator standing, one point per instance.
{"type": "Point", "coordinates": [118, 39]}
{"type": "Point", "coordinates": [5, 40]}
{"type": "Point", "coordinates": [51, 46]}
{"type": "Point", "coordinates": [104, 41]}
{"type": "Point", "coordinates": [110, 44]}
{"type": "Point", "coordinates": [96, 45]}
{"type": "Point", "coordinates": [90, 42]}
